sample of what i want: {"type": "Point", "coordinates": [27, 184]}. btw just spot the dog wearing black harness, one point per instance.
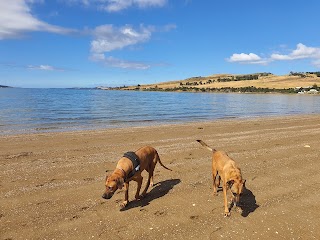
{"type": "Point", "coordinates": [130, 167]}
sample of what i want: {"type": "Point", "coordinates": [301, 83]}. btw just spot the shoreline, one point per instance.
{"type": "Point", "coordinates": [152, 124]}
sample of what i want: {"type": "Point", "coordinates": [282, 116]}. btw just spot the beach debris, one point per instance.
{"type": "Point", "coordinates": [306, 146]}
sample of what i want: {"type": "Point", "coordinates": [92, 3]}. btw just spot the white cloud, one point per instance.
{"type": "Point", "coordinates": [118, 63]}
{"type": "Point", "coordinates": [166, 28]}
{"type": "Point", "coordinates": [119, 5]}
{"type": "Point", "coordinates": [34, 1]}
{"type": "Point", "coordinates": [301, 52]}
{"type": "Point", "coordinates": [244, 58]}
{"type": "Point", "coordinates": [44, 68]}
{"type": "Point", "coordinates": [280, 57]}
{"type": "Point", "coordinates": [316, 63]}
{"type": "Point", "coordinates": [109, 38]}
{"type": "Point", "coordinates": [41, 67]}
{"type": "Point", "coordinates": [16, 18]}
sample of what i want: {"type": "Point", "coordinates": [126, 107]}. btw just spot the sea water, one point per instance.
{"type": "Point", "coordinates": [46, 110]}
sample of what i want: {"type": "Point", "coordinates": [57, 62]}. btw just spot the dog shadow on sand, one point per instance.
{"type": "Point", "coordinates": [248, 202]}
{"type": "Point", "coordinates": [158, 190]}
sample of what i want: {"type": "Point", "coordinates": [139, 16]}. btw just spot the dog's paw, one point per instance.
{"type": "Point", "coordinates": [227, 214]}
{"type": "Point", "coordinates": [123, 204]}
{"type": "Point", "coordinates": [140, 196]}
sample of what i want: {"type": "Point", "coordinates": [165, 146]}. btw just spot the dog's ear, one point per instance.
{"type": "Point", "coordinates": [107, 174]}
{"type": "Point", "coordinates": [120, 183]}
{"type": "Point", "coordinates": [230, 183]}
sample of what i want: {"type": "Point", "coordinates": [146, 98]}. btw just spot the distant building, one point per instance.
{"type": "Point", "coordinates": [313, 91]}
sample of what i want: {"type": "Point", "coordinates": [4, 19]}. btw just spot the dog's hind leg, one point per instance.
{"type": "Point", "coordinates": [144, 193]}
{"type": "Point", "coordinates": [218, 180]}
{"type": "Point", "coordinates": [215, 180]}
{"type": "Point", "coordinates": [150, 170]}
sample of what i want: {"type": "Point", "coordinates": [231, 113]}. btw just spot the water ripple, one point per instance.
{"type": "Point", "coordinates": [47, 110]}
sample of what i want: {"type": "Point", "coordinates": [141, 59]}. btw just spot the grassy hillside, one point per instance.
{"type": "Point", "coordinates": [259, 82]}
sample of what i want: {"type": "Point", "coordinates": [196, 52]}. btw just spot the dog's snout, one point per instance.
{"type": "Point", "coordinates": [106, 196]}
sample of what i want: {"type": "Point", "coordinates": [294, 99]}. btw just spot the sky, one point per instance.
{"type": "Point", "coordinates": [89, 43]}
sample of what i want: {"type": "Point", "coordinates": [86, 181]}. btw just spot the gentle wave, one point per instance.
{"type": "Point", "coordinates": [49, 110]}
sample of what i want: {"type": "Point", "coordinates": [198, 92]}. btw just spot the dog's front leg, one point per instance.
{"type": "Point", "coordinates": [126, 195]}
{"type": "Point", "coordinates": [147, 186]}
{"type": "Point", "coordinates": [232, 197]}
{"type": "Point", "coordinates": [226, 209]}
{"type": "Point", "coordinates": [236, 203]}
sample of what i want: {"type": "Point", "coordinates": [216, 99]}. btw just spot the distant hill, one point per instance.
{"type": "Point", "coordinates": [256, 82]}
{"type": "Point", "coordinates": [2, 86]}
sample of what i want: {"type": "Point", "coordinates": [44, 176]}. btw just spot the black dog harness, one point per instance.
{"type": "Point", "coordinates": [135, 161]}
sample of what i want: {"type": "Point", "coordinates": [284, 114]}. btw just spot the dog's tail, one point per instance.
{"type": "Point", "coordinates": [162, 163]}
{"type": "Point", "coordinates": [206, 146]}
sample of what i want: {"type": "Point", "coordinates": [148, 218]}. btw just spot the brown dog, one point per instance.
{"type": "Point", "coordinates": [230, 174]}
{"type": "Point", "coordinates": [129, 168]}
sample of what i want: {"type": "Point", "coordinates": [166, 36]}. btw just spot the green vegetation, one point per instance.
{"type": "Point", "coordinates": [304, 74]}
{"type": "Point", "coordinates": [250, 89]}
{"type": "Point", "coordinates": [315, 73]}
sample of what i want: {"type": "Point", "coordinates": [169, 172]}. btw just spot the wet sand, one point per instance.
{"type": "Point", "coordinates": [51, 183]}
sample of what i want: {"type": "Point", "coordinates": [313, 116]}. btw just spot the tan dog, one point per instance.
{"type": "Point", "coordinates": [125, 171]}
{"type": "Point", "coordinates": [230, 174]}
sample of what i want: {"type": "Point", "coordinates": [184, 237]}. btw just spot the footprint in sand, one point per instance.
{"type": "Point", "coordinates": [194, 217]}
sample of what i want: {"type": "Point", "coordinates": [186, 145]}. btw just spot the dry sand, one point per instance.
{"type": "Point", "coordinates": [51, 183]}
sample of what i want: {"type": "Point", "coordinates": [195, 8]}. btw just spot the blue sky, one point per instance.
{"type": "Point", "coordinates": [88, 43]}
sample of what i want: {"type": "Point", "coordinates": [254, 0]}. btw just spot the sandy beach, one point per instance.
{"type": "Point", "coordinates": [51, 183]}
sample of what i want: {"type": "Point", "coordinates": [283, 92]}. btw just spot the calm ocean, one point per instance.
{"type": "Point", "coordinates": [47, 110]}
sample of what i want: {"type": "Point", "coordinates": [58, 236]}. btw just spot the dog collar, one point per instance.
{"type": "Point", "coordinates": [124, 173]}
